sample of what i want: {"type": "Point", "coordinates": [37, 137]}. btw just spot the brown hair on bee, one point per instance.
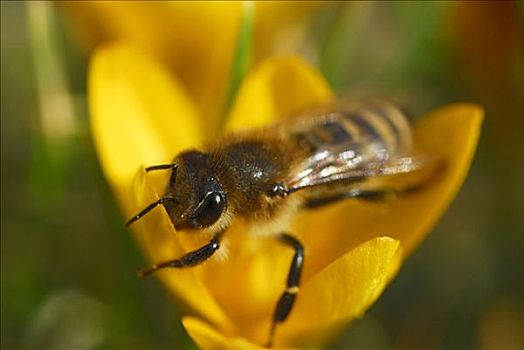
{"type": "Point", "coordinates": [233, 177]}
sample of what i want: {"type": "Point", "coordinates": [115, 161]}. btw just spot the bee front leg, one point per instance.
{"type": "Point", "coordinates": [287, 299]}
{"type": "Point", "coordinates": [190, 259]}
{"type": "Point", "coordinates": [172, 166]}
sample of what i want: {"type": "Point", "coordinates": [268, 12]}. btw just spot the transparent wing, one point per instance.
{"type": "Point", "coordinates": [351, 163]}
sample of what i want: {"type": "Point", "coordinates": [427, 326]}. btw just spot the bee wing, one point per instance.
{"type": "Point", "coordinates": [350, 165]}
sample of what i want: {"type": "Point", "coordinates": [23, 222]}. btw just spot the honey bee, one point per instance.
{"type": "Point", "coordinates": [265, 176]}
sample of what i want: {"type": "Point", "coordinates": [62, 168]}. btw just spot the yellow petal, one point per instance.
{"type": "Point", "coordinates": [208, 338]}
{"type": "Point", "coordinates": [340, 292]}
{"type": "Point", "coordinates": [358, 278]}
{"type": "Point", "coordinates": [450, 134]}
{"type": "Point", "coordinates": [276, 89]}
{"type": "Point", "coordinates": [139, 116]}
{"type": "Point", "coordinates": [195, 39]}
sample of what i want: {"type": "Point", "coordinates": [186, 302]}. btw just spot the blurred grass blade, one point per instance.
{"type": "Point", "coordinates": [56, 124]}
{"type": "Point", "coordinates": [242, 59]}
{"type": "Point", "coordinates": [56, 106]}
{"type": "Point", "coordinates": [390, 43]}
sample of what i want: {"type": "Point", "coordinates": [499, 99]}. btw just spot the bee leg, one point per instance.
{"type": "Point", "coordinates": [190, 259]}
{"type": "Point", "coordinates": [378, 195]}
{"type": "Point", "coordinates": [370, 195]}
{"type": "Point", "coordinates": [172, 166]}
{"type": "Point", "coordinates": [287, 299]}
{"type": "Point", "coordinates": [150, 207]}
{"type": "Point", "coordinates": [162, 167]}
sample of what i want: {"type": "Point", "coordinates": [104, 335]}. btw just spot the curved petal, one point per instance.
{"type": "Point", "coordinates": [449, 134]}
{"type": "Point", "coordinates": [139, 116]}
{"type": "Point", "coordinates": [340, 292]}
{"type": "Point", "coordinates": [167, 30]}
{"type": "Point", "coordinates": [208, 338]}
{"type": "Point", "coordinates": [275, 89]}
{"type": "Point", "coordinates": [195, 39]}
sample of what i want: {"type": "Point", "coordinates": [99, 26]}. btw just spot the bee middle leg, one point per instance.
{"type": "Point", "coordinates": [373, 195]}
{"type": "Point", "coordinates": [190, 259]}
{"type": "Point", "coordinates": [287, 299]}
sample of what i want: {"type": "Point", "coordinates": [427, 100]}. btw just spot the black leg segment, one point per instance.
{"type": "Point", "coordinates": [161, 167]}
{"type": "Point", "coordinates": [190, 259]}
{"type": "Point", "coordinates": [373, 195]}
{"type": "Point", "coordinates": [150, 207]}
{"type": "Point", "coordinates": [172, 166]}
{"type": "Point", "coordinates": [287, 299]}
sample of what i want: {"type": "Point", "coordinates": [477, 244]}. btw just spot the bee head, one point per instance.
{"type": "Point", "coordinates": [199, 200]}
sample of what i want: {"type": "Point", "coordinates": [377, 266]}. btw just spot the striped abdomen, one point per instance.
{"type": "Point", "coordinates": [377, 130]}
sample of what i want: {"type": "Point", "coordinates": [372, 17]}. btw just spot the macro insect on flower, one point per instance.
{"type": "Point", "coordinates": [265, 176]}
{"type": "Point", "coordinates": [341, 255]}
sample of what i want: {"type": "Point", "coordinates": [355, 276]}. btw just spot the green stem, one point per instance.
{"type": "Point", "coordinates": [242, 58]}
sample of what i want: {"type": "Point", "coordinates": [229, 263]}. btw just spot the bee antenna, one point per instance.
{"type": "Point", "coordinates": [150, 207]}
{"type": "Point", "coordinates": [172, 166]}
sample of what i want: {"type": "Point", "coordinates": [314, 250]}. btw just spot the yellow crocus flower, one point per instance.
{"type": "Point", "coordinates": [141, 115]}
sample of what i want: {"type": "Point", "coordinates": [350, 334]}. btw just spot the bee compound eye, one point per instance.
{"type": "Point", "coordinates": [209, 210]}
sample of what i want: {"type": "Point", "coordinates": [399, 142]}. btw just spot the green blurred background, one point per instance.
{"type": "Point", "coordinates": [68, 265]}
